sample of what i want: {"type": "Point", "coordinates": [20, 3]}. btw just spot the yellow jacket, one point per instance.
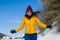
{"type": "Point", "coordinates": [30, 25]}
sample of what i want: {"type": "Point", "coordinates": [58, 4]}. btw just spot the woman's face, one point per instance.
{"type": "Point", "coordinates": [29, 13]}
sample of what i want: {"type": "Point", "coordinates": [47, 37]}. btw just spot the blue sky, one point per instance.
{"type": "Point", "coordinates": [12, 12]}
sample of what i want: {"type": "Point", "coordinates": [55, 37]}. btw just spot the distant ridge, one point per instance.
{"type": "Point", "coordinates": [1, 35]}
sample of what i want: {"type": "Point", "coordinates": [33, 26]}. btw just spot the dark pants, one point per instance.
{"type": "Point", "coordinates": [31, 36]}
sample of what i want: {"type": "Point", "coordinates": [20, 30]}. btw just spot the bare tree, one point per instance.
{"type": "Point", "coordinates": [52, 10]}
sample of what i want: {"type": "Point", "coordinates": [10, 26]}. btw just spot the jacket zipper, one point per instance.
{"type": "Point", "coordinates": [30, 26]}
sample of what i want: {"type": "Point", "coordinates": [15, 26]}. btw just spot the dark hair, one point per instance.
{"type": "Point", "coordinates": [36, 12]}
{"type": "Point", "coordinates": [28, 16]}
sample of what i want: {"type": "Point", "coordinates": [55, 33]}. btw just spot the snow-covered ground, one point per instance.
{"type": "Point", "coordinates": [49, 34]}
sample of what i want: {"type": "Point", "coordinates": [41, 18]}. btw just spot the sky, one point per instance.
{"type": "Point", "coordinates": [12, 13]}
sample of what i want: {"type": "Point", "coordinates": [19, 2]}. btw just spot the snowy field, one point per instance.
{"type": "Point", "coordinates": [11, 39]}
{"type": "Point", "coordinates": [49, 34]}
{"type": "Point", "coordinates": [46, 37]}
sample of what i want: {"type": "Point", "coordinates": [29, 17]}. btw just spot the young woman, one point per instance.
{"type": "Point", "coordinates": [30, 21]}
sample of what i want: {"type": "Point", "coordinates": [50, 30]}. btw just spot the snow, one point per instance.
{"type": "Point", "coordinates": [49, 37]}
{"type": "Point", "coordinates": [49, 34]}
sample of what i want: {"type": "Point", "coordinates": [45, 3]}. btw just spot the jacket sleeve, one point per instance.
{"type": "Point", "coordinates": [42, 25]}
{"type": "Point", "coordinates": [21, 26]}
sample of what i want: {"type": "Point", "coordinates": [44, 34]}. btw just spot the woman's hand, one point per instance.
{"type": "Point", "coordinates": [49, 26]}
{"type": "Point", "coordinates": [13, 31]}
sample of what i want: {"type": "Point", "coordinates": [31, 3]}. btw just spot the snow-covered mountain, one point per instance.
{"type": "Point", "coordinates": [1, 35]}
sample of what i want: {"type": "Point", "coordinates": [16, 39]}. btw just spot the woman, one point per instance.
{"type": "Point", "coordinates": [30, 21]}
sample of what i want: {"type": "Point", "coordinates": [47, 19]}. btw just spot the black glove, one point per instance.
{"type": "Point", "coordinates": [13, 31]}
{"type": "Point", "coordinates": [49, 26]}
